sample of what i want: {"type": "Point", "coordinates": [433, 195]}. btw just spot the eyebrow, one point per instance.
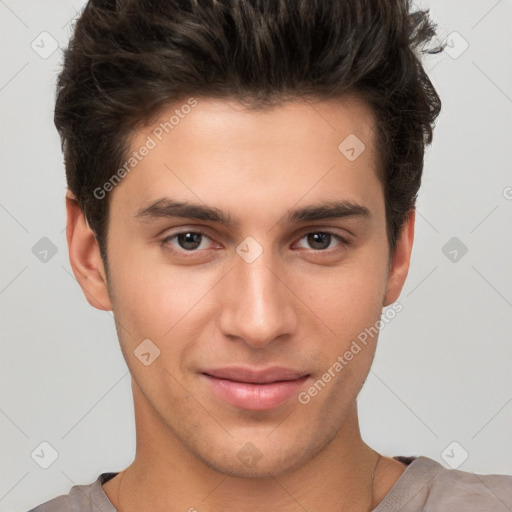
{"type": "Point", "coordinates": [170, 208]}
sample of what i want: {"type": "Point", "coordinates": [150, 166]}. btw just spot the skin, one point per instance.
{"type": "Point", "coordinates": [293, 306]}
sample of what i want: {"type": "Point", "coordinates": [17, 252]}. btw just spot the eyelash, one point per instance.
{"type": "Point", "coordinates": [190, 254]}
{"type": "Point", "coordinates": [182, 252]}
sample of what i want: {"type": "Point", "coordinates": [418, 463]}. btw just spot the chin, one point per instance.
{"type": "Point", "coordinates": [260, 457]}
{"type": "Point", "coordinates": [261, 468]}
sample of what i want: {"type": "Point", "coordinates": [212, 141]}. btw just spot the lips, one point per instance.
{"type": "Point", "coordinates": [238, 374]}
{"type": "Point", "coordinates": [255, 390]}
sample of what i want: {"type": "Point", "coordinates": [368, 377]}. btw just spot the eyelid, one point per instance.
{"type": "Point", "coordinates": [343, 240]}
{"type": "Point", "coordinates": [166, 241]}
{"type": "Point", "coordinates": [339, 233]}
{"type": "Point", "coordinates": [342, 231]}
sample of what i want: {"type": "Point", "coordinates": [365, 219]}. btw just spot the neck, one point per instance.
{"type": "Point", "coordinates": [166, 476]}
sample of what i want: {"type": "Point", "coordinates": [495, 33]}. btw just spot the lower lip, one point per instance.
{"type": "Point", "coordinates": [255, 397]}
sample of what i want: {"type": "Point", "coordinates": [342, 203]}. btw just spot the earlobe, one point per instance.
{"type": "Point", "coordinates": [85, 257]}
{"type": "Point", "coordinates": [400, 261]}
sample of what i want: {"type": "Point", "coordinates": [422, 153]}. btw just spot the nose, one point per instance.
{"type": "Point", "coordinates": [257, 305]}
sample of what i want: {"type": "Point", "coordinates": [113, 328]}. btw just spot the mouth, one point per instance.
{"type": "Point", "coordinates": [255, 390]}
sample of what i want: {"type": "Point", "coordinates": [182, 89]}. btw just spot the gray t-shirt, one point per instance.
{"type": "Point", "coordinates": [424, 486]}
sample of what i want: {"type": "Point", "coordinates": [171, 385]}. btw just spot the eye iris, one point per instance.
{"type": "Point", "coordinates": [319, 240]}
{"type": "Point", "coordinates": [189, 240]}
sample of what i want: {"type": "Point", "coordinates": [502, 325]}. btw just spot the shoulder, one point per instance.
{"type": "Point", "coordinates": [473, 491]}
{"type": "Point", "coordinates": [426, 485]}
{"type": "Point", "coordinates": [81, 498]}
{"type": "Point", "coordinates": [58, 504]}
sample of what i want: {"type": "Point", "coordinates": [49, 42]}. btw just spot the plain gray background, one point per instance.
{"type": "Point", "coordinates": [441, 384]}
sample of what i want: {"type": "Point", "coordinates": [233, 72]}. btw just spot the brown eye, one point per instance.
{"type": "Point", "coordinates": [321, 240]}
{"type": "Point", "coordinates": [187, 241]}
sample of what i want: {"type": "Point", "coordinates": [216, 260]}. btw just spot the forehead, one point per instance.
{"type": "Point", "coordinates": [217, 123]}
{"type": "Point", "coordinates": [220, 151]}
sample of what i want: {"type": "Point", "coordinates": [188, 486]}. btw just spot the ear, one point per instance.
{"type": "Point", "coordinates": [399, 266]}
{"type": "Point", "coordinates": [84, 256]}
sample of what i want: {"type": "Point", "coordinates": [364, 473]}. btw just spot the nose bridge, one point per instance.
{"type": "Point", "coordinates": [258, 306]}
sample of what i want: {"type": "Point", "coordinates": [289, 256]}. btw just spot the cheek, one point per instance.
{"type": "Point", "coordinates": [352, 309]}
{"type": "Point", "coordinates": [156, 300]}
{"type": "Point", "coordinates": [348, 298]}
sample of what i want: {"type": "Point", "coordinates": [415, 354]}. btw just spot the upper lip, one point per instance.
{"type": "Point", "coordinates": [263, 376]}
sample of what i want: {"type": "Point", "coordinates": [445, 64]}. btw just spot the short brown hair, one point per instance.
{"type": "Point", "coordinates": [127, 59]}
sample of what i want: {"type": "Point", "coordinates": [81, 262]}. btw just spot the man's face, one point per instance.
{"type": "Point", "coordinates": [269, 289]}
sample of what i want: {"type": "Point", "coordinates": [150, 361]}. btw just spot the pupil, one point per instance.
{"type": "Point", "coordinates": [319, 240]}
{"type": "Point", "coordinates": [189, 240]}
